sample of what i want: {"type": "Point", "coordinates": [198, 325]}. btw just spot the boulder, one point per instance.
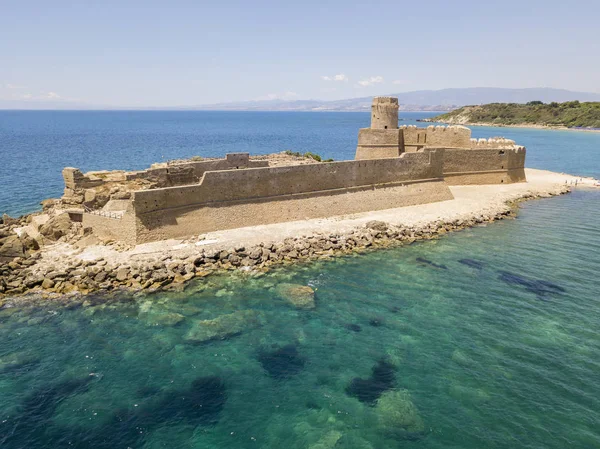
{"type": "Point", "coordinates": [327, 441]}
{"type": "Point", "coordinates": [300, 296]}
{"type": "Point", "coordinates": [47, 284]}
{"type": "Point", "coordinates": [8, 220]}
{"type": "Point", "coordinates": [223, 326]}
{"type": "Point", "coordinates": [88, 240]}
{"type": "Point", "coordinates": [11, 247]}
{"type": "Point", "coordinates": [397, 413]}
{"type": "Point", "coordinates": [56, 227]}
{"type": "Point", "coordinates": [122, 274]}
{"type": "Point", "coordinates": [376, 225]}
{"type": "Point", "coordinates": [161, 318]}
{"type": "Point", "coordinates": [29, 243]}
{"type": "Point", "coordinates": [49, 203]}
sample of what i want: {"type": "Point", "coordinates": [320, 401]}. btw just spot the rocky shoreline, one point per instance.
{"type": "Point", "coordinates": [34, 276]}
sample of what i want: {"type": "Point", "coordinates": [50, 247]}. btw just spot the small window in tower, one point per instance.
{"type": "Point", "coordinates": [385, 127]}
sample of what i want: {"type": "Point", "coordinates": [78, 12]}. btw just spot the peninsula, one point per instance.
{"type": "Point", "coordinates": [161, 227]}
{"type": "Point", "coordinates": [568, 115]}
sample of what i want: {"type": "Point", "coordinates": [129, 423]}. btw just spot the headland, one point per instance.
{"type": "Point", "coordinates": [571, 115]}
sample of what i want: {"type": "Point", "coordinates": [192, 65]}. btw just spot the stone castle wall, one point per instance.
{"type": "Point", "coordinates": [484, 166]}
{"type": "Point", "coordinates": [435, 136]}
{"type": "Point", "coordinates": [278, 194]}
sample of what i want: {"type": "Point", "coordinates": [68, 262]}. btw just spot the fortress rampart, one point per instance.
{"type": "Point", "coordinates": [394, 167]}
{"type": "Point", "coordinates": [276, 194]}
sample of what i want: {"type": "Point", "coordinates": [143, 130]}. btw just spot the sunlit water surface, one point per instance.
{"type": "Point", "coordinates": [499, 351]}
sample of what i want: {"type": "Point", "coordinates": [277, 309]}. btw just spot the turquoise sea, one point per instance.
{"type": "Point", "coordinates": [493, 345]}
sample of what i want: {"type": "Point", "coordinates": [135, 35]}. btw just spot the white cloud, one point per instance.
{"type": "Point", "coordinates": [370, 81]}
{"type": "Point", "coordinates": [43, 96]}
{"type": "Point", "coordinates": [14, 86]}
{"type": "Point", "coordinates": [52, 96]}
{"type": "Point", "coordinates": [399, 82]}
{"type": "Point", "coordinates": [339, 77]}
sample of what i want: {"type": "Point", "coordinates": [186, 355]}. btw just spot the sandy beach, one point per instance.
{"type": "Point", "coordinates": [527, 126]}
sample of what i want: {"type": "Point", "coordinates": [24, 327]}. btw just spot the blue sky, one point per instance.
{"type": "Point", "coordinates": [151, 53]}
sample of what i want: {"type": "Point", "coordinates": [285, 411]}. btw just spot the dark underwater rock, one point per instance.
{"type": "Point", "coordinates": [283, 362]}
{"type": "Point", "coordinates": [383, 378]}
{"type": "Point", "coordinates": [353, 327]}
{"type": "Point", "coordinates": [424, 261]}
{"type": "Point", "coordinates": [17, 362]}
{"type": "Point", "coordinates": [376, 321]}
{"type": "Point", "coordinates": [31, 424]}
{"type": "Point", "coordinates": [200, 404]}
{"type": "Point", "coordinates": [472, 263]}
{"type": "Point", "coordinates": [551, 287]}
{"type": "Point", "coordinates": [540, 288]}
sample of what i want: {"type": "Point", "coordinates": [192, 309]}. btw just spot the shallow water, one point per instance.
{"type": "Point", "coordinates": [488, 361]}
{"type": "Point", "coordinates": [36, 145]}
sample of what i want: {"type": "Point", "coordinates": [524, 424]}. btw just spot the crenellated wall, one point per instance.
{"type": "Point", "coordinates": [435, 136]}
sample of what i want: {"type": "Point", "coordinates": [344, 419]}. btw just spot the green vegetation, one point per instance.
{"type": "Point", "coordinates": [308, 155]}
{"type": "Point", "coordinates": [571, 114]}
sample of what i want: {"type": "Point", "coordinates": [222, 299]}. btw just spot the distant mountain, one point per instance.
{"type": "Point", "coordinates": [54, 105]}
{"type": "Point", "coordinates": [421, 100]}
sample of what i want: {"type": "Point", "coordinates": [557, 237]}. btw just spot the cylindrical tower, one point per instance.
{"type": "Point", "coordinates": [384, 113]}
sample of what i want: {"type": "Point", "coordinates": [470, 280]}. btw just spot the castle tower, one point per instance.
{"type": "Point", "coordinates": [384, 113]}
{"type": "Point", "coordinates": [383, 139]}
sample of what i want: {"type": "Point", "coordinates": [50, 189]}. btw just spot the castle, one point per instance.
{"type": "Point", "coordinates": [394, 167]}
{"type": "Point", "coordinates": [488, 161]}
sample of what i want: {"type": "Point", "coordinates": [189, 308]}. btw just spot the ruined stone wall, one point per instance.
{"type": "Point", "coordinates": [190, 172]}
{"type": "Point", "coordinates": [230, 199]}
{"type": "Point", "coordinates": [93, 189]}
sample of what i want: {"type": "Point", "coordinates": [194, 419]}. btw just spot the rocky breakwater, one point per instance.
{"type": "Point", "coordinates": [27, 268]}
